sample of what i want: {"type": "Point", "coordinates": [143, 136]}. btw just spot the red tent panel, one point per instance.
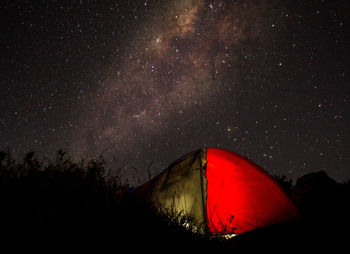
{"type": "Point", "coordinates": [242, 196]}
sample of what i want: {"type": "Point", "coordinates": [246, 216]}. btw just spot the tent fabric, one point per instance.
{"type": "Point", "coordinates": [241, 196]}
{"type": "Point", "coordinates": [223, 193]}
{"type": "Point", "coordinates": [181, 188]}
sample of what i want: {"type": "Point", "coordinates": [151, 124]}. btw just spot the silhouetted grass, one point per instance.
{"type": "Point", "coordinates": [60, 206]}
{"type": "Point", "coordinates": [65, 206]}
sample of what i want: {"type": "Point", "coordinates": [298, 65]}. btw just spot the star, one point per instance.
{"type": "Point", "coordinates": [152, 81]}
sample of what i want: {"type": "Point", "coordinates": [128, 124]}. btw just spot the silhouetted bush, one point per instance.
{"type": "Point", "coordinates": [62, 206]}
{"type": "Point", "coordinates": [284, 183]}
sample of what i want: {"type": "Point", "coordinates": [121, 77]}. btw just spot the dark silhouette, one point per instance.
{"type": "Point", "coordinates": [63, 206]}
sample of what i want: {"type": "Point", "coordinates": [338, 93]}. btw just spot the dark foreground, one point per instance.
{"type": "Point", "coordinates": [63, 207]}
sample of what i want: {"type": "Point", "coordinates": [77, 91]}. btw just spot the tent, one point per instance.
{"type": "Point", "coordinates": [222, 192]}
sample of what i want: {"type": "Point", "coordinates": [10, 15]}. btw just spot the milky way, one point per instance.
{"type": "Point", "coordinates": [179, 63]}
{"type": "Point", "coordinates": [145, 82]}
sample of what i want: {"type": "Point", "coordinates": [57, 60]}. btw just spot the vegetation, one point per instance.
{"type": "Point", "coordinates": [62, 206]}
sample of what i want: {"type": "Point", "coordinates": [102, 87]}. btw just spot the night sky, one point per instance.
{"type": "Point", "coordinates": [148, 81]}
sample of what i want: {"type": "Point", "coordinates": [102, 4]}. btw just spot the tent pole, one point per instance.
{"type": "Point", "coordinates": [202, 175]}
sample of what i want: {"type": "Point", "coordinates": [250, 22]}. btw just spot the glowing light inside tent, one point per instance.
{"type": "Point", "coordinates": [241, 196]}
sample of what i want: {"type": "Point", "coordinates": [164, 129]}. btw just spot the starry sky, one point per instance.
{"type": "Point", "coordinates": [144, 82]}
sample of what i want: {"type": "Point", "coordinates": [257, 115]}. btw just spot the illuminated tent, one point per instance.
{"type": "Point", "coordinates": [223, 193]}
